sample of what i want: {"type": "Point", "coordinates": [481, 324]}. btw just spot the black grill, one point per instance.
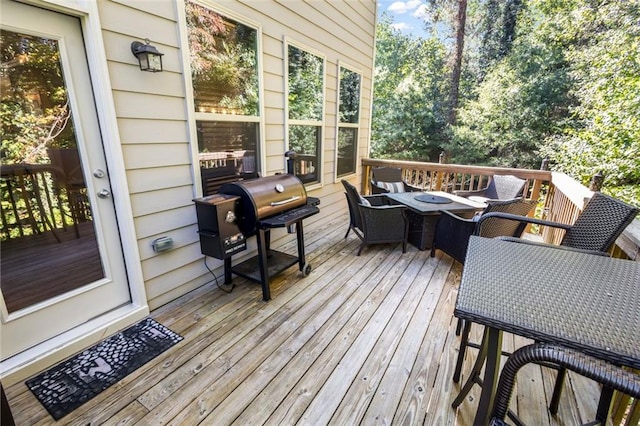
{"type": "Point", "coordinates": [253, 207]}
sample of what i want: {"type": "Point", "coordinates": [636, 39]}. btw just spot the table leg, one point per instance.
{"type": "Point", "coordinates": [474, 374]}
{"type": "Point", "coordinates": [490, 380]}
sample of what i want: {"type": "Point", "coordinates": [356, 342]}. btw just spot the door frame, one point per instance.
{"type": "Point", "coordinates": [31, 361]}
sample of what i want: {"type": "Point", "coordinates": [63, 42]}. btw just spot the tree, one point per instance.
{"type": "Point", "coordinates": [523, 100]}
{"type": "Point", "coordinates": [409, 110]}
{"type": "Point", "coordinates": [497, 32]}
{"type": "Point", "coordinates": [603, 132]}
{"type": "Point", "coordinates": [456, 68]}
{"type": "Point", "coordinates": [34, 111]}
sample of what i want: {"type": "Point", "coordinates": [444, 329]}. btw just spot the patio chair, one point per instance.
{"type": "Point", "coordinates": [452, 235]}
{"type": "Point", "coordinates": [389, 179]}
{"type": "Point", "coordinates": [501, 187]}
{"type": "Point", "coordinates": [452, 232]}
{"type": "Point", "coordinates": [373, 221]}
{"type": "Point", "coordinates": [608, 375]}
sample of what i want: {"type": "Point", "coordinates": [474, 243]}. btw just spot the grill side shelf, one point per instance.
{"type": "Point", "coordinates": [289, 218]}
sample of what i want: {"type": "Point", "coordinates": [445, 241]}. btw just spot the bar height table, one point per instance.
{"type": "Point", "coordinates": [581, 301]}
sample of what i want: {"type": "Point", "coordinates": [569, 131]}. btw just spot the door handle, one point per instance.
{"type": "Point", "coordinates": [104, 193]}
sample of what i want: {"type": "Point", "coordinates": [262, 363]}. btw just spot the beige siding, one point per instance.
{"type": "Point", "coordinates": [153, 116]}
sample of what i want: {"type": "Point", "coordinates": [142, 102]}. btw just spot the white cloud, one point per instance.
{"type": "Point", "coordinates": [401, 7]}
{"type": "Point", "coordinates": [401, 26]}
{"type": "Point", "coordinates": [421, 12]}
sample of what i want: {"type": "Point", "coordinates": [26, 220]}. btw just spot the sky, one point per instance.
{"type": "Point", "coordinates": [406, 15]}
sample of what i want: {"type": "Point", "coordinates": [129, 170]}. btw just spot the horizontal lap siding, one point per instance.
{"type": "Point", "coordinates": [152, 119]}
{"type": "Point", "coordinates": [152, 116]}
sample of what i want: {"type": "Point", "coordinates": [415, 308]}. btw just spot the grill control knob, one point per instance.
{"type": "Point", "coordinates": [230, 217]}
{"type": "Point", "coordinates": [279, 188]}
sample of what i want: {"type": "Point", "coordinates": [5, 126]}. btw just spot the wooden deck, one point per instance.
{"type": "Point", "coordinates": [362, 340]}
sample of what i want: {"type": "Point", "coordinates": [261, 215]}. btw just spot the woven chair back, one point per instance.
{"type": "Point", "coordinates": [386, 174]}
{"type": "Point", "coordinates": [602, 221]}
{"type": "Point", "coordinates": [496, 227]}
{"type": "Point", "coordinates": [504, 187]}
{"type": "Point", "coordinates": [353, 199]}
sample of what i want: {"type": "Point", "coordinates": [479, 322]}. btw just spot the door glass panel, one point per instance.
{"type": "Point", "coordinates": [47, 233]}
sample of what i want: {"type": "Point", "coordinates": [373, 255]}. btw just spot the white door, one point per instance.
{"type": "Point", "coordinates": [62, 261]}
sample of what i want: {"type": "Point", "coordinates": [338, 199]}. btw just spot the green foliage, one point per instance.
{"type": "Point", "coordinates": [223, 61]}
{"type": "Point", "coordinates": [349, 108]}
{"type": "Point", "coordinates": [542, 78]}
{"type": "Point", "coordinates": [306, 81]}
{"type": "Point", "coordinates": [522, 101]}
{"type": "Point", "coordinates": [603, 133]}
{"type": "Point", "coordinates": [34, 114]}
{"type": "Point", "coordinates": [409, 96]}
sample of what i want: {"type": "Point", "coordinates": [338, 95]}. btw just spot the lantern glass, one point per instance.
{"type": "Point", "coordinates": [148, 56]}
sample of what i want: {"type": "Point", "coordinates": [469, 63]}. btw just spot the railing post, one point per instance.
{"type": "Point", "coordinates": [545, 164]}
{"type": "Point", "coordinates": [366, 171]}
{"type": "Point", "coordinates": [596, 182]}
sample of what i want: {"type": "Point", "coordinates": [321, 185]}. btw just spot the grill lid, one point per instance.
{"type": "Point", "coordinates": [265, 197]}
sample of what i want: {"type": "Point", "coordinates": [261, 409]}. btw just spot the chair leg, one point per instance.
{"type": "Point", "coordinates": [404, 246]}
{"type": "Point", "coordinates": [433, 251]}
{"type": "Point", "coordinates": [348, 230]}
{"type": "Point", "coordinates": [461, 350]}
{"type": "Point", "coordinates": [557, 391]}
{"type": "Point", "coordinates": [361, 247]}
{"type": "Point", "coordinates": [459, 325]}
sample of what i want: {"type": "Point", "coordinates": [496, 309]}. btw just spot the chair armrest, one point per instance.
{"type": "Point", "coordinates": [411, 188]}
{"type": "Point", "coordinates": [377, 200]}
{"type": "Point", "coordinates": [375, 189]}
{"type": "Point", "coordinates": [525, 219]}
{"type": "Point", "coordinates": [554, 246]}
{"type": "Point", "coordinates": [477, 192]}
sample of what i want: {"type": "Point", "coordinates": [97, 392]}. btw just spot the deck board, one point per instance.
{"type": "Point", "coordinates": [364, 339]}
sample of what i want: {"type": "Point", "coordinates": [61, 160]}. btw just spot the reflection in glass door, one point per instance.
{"type": "Point", "coordinates": [48, 238]}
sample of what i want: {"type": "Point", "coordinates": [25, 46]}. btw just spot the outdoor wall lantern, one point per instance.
{"type": "Point", "coordinates": [148, 56]}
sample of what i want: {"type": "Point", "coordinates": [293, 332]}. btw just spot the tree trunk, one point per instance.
{"type": "Point", "coordinates": [457, 60]}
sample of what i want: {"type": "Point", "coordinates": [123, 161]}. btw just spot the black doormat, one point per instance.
{"type": "Point", "coordinates": [66, 386]}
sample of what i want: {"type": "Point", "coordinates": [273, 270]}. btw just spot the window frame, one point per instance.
{"type": "Point", "coordinates": [357, 126]}
{"type": "Point", "coordinates": [294, 122]}
{"type": "Point", "coordinates": [193, 116]}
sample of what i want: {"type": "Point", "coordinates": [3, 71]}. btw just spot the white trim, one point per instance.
{"type": "Point", "coordinates": [87, 12]}
{"type": "Point", "coordinates": [336, 178]}
{"type": "Point", "coordinates": [287, 41]}
{"type": "Point", "coordinates": [193, 115]}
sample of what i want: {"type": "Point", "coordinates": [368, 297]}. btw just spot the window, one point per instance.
{"type": "Point", "coordinates": [305, 106]}
{"type": "Point", "coordinates": [224, 73]}
{"type": "Point", "coordinates": [348, 121]}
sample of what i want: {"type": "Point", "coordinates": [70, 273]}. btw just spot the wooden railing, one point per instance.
{"type": "Point", "coordinates": [561, 198]}
{"type": "Point", "coordinates": [37, 198]}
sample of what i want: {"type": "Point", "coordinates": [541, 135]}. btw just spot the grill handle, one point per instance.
{"type": "Point", "coordinates": [287, 201]}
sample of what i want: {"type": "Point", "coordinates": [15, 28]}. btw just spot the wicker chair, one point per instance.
{"type": "Point", "coordinates": [384, 178]}
{"type": "Point", "coordinates": [452, 232]}
{"type": "Point", "coordinates": [597, 227]}
{"type": "Point", "coordinates": [501, 187]}
{"type": "Point", "coordinates": [373, 221]}
{"type": "Point", "coordinates": [452, 237]}
{"type": "Point", "coordinates": [608, 375]}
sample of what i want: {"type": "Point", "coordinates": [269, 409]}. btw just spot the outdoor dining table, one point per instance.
{"type": "Point", "coordinates": [424, 209]}
{"type": "Point", "coordinates": [582, 301]}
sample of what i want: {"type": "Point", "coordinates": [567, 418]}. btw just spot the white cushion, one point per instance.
{"type": "Point", "coordinates": [392, 186]}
